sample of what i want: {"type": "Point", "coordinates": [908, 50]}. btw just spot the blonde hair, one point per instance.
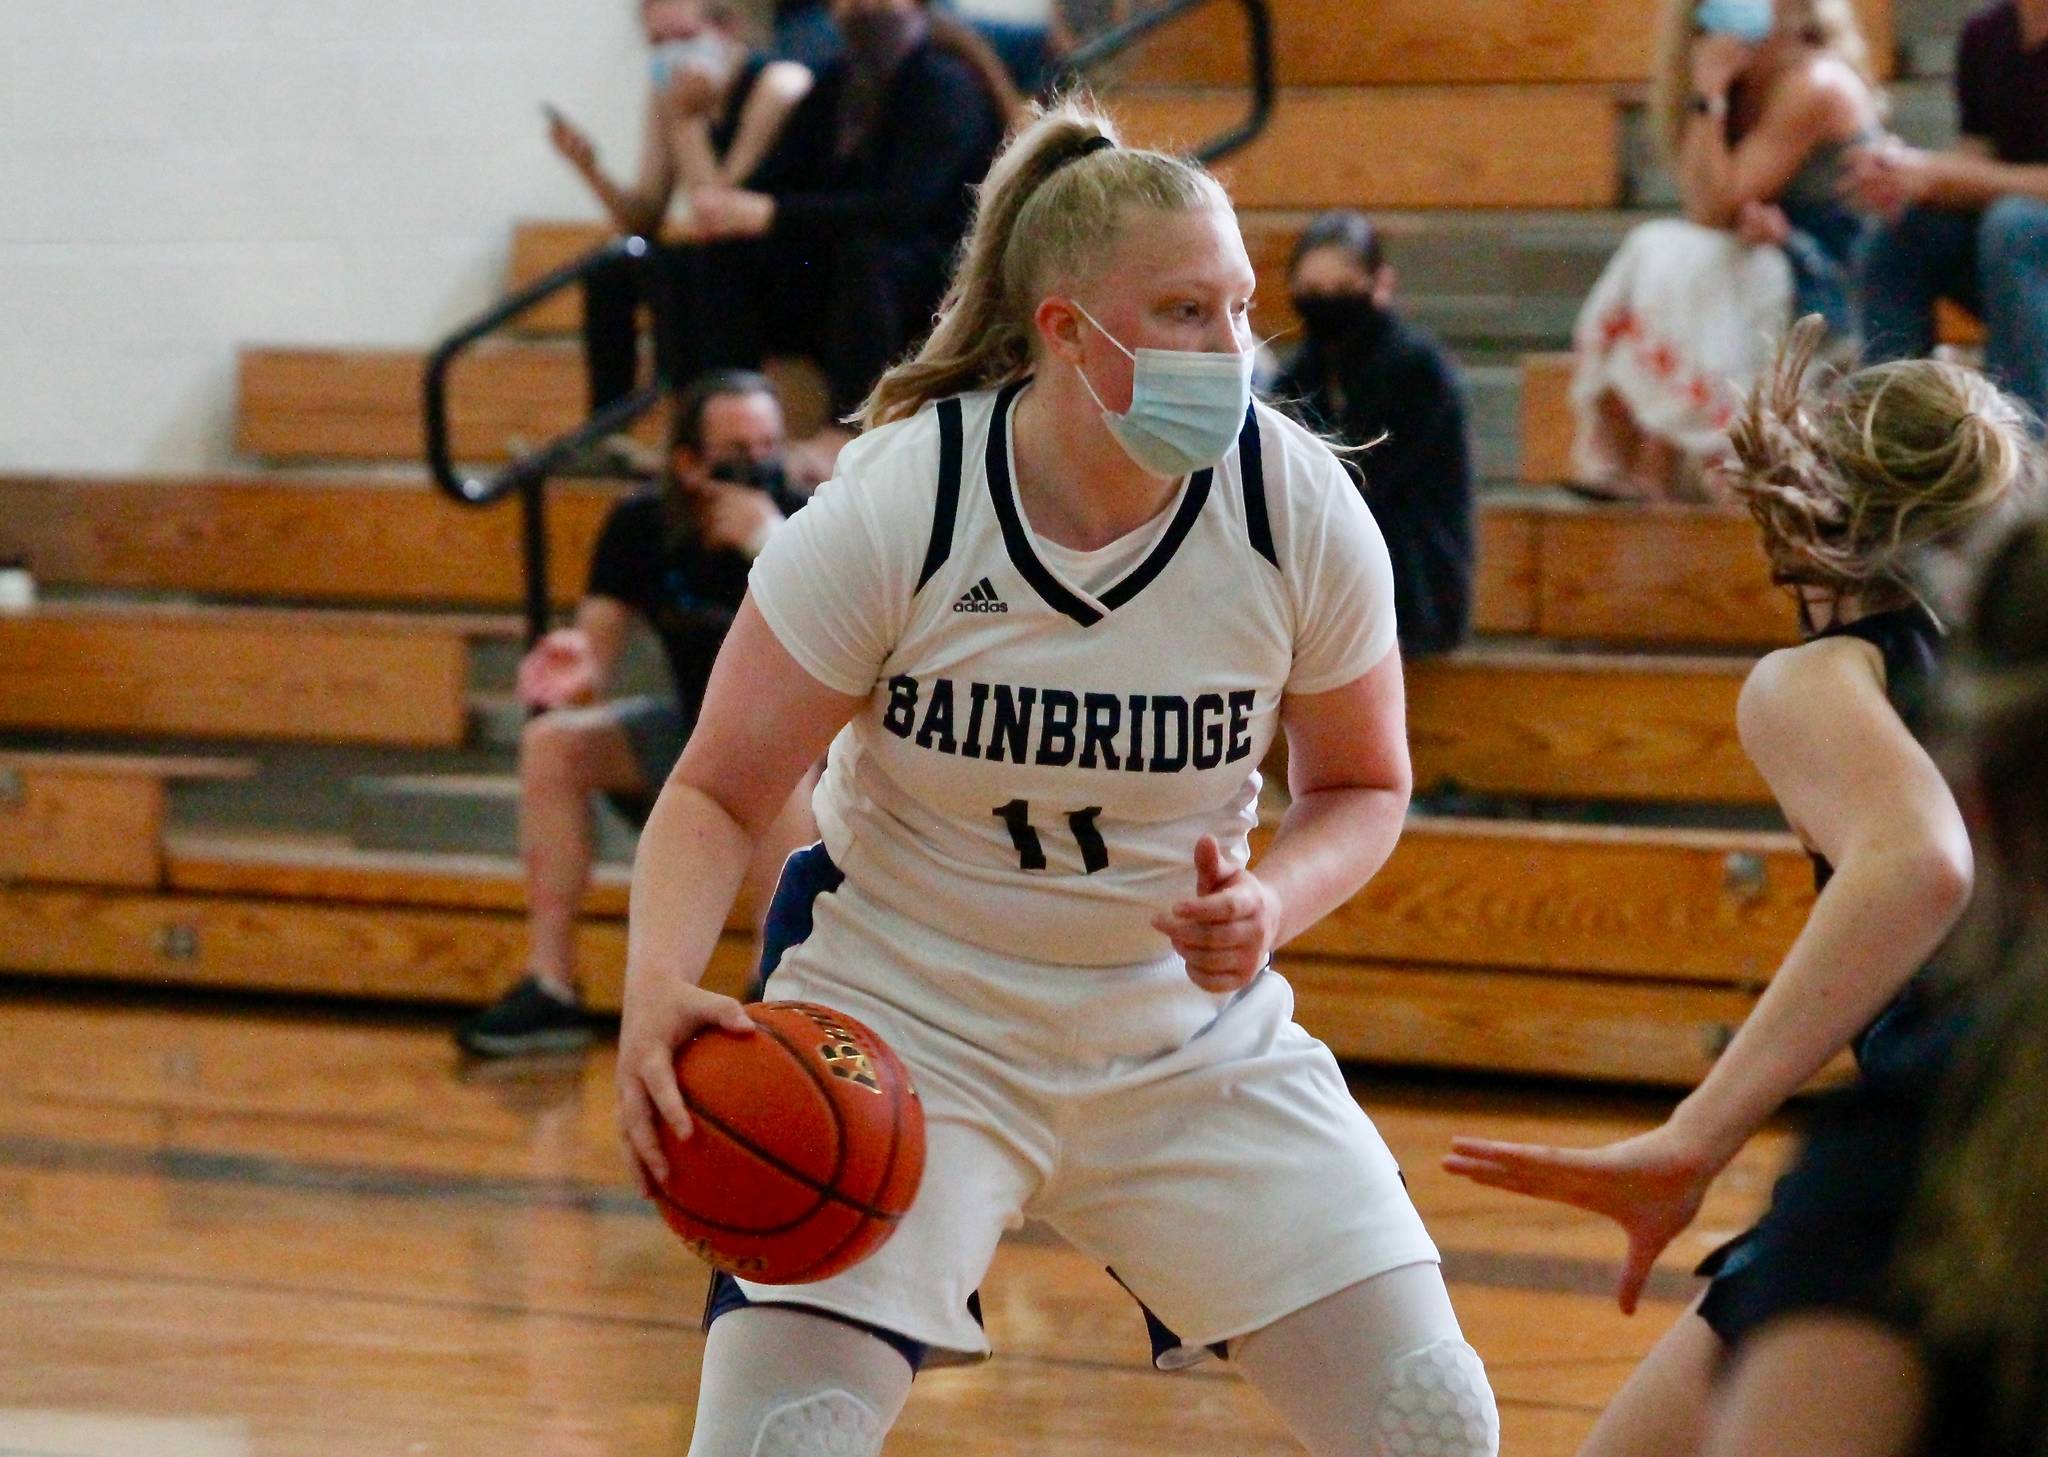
{"type": "Point", "coordinates": [1850, 476]}
{"type": "Point", "coordinates": [1051, 208]}
{"type": "Point", "coordinates": [1829, 26]}
{"type": "Point", "coordinates": [1974, 1253]}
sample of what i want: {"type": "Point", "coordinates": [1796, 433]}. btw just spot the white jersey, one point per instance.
{"type": "Point", "coordinates": [1048, 732]}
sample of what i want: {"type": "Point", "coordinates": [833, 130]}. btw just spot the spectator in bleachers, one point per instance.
{"type": "Point", "coordinates": [1028, 35]}
{"type": "Point", "coordinates": [1369, 379]}
{"type": "Point", "coordinates": [677, 559]}
{"type": "Point", "coordinates": [861, 204]}
{"type": "Point", "coordinates": [1757, 108]}
{"type": "Point", "coordinates": [1970, 224]}
{"type": "Point", "coordinates": [713, 114]}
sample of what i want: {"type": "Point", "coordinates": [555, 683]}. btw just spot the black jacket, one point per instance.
{"type": "Point", "coordinates": [1394, 385]}
{"type": "Point", "coordinates": [911, 178]}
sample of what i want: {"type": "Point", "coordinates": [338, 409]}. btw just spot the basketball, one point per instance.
{"type": "Point", "coordinates": [806, 1150]}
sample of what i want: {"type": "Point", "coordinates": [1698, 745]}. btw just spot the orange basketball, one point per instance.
{"type": "Point", "coordinates": [806, 1150]}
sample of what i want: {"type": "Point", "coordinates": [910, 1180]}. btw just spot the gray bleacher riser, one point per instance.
{"type": "Point", "coordinates": [455, 815]}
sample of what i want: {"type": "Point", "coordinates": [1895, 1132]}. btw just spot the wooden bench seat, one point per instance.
{"type": "Point", "coordinates": [245, 673]}
{"type": "Point", "coordinates": [298, 538]}
{"type": "Point", "coordinates": [364, 404]}
{"type": "Point", "coordinates": [1581, 726]}
{"type": "Point", "coordinates": [1559, 950]}
{"type": "Point", "coordinates": [92, 819]}
{"type": "Point", "coordinates": [1665, 575]}
{"type": "Point", "coordinates": [1429, 42]}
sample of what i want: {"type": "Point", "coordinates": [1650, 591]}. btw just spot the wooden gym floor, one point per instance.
{"type": "Point", "coordinates": [233, 1230]}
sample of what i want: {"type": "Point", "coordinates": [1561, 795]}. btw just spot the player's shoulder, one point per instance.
{"type": "Point", "coordinates": [891, 473]}
{"type": "Point", "coordinates": [1299, 472]}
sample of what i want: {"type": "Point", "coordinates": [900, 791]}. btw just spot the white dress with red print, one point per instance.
{"type": "Point", "coordinates": [1681, 322]}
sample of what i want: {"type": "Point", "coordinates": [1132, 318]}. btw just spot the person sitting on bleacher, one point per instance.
{"type": "Point", "coordinates": [677, 558]}
{"type": "Point", "coordinates": [1971, 224]}
{"type": "Point", "coordinates": [1758, 107]}
{"type": "Point", "coordinates": [861, 205]}
{"type": "Point", "coordinates": [1370, 380]}
{"type": "Point", "coordinates": [712, 117]}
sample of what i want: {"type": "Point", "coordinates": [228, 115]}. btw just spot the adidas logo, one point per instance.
{"type": "Point", "coordinates": [981, 597]}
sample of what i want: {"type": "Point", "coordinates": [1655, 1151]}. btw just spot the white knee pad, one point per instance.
{"type": "Point", "coordinates": [1436, 1403]}
{"type": "Point", "coordinates": [824, 1424]}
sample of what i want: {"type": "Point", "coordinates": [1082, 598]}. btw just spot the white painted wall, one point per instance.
{"type": "Point", "coordinates": [179, 177]}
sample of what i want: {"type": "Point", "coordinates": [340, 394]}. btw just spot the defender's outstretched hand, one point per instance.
{"type": "Point", "coordinates": [1650, 1185]}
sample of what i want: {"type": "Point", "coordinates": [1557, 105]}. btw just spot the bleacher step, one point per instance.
{"type": "Point", "coordinates": [455, 814]}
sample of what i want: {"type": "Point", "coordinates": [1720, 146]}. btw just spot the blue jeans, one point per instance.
{"type": "Point", "coordinates": [1994, 263]}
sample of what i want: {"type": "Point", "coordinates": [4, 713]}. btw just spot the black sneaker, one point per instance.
{"type": "Point", "coordinates": [528, 1018]}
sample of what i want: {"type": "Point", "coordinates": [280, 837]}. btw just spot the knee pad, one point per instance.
{"type": "Point", "coordinates": [1436, 1403]}
{"type": "Point", "coordinates": [824, 1424]}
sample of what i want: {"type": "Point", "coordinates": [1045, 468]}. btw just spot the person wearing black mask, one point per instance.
{"type": "Point", "coordinates": [677, 559]}
{"type": "Point", "coordinates": [862, 202]}
{"type": "Point", "coordinates": [1372, 381]}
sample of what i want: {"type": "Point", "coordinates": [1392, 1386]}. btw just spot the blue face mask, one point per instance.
{"type": "Point", "coordinates": [1187, 405]}
{"type": "Point", "coordinates": [1746, 20]}
{"type": "Point", "coordinates": [704, 51]}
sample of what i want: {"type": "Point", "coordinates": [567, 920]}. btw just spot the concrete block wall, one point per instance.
{"type": "Point", "coordinates": [182, 176]}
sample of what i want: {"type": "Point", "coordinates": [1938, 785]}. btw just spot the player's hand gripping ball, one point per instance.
{"type": "Point", "coordinates": [806, 1145]}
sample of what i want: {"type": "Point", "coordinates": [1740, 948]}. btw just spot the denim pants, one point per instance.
{"type": "Point", "coordinates": [1994, 263]}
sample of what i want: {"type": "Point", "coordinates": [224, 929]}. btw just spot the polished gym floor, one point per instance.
{"type": "Point", "coordinates": [230, 1230]}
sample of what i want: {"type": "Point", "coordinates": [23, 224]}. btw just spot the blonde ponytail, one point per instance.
{"type": "Point", "coordinates": [1051, 206]}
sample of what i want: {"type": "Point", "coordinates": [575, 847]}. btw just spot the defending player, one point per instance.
{"type": "Point", "coordinates": [1049, 618]}
{"type": "Point", "coordinates": [1854, 481]}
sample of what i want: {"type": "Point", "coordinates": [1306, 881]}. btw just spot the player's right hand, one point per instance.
{"type": "Point", "coordinates": [1651, 1185]}
{"type": "Point", "coordinates": [560, 670]}
{"type": "Point", "coordinates": [654, 1025]}
{"type": "Point", "coordinates": [571, 141]}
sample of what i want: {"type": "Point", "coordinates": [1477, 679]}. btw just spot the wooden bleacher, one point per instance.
{"type": "Point", "coordinates": [1548, 568]}
{"type": "Point", "coordinates": [1677, 932]}
{"type": "Point", "coordinates": [1432, 43]}
{"type": "Point", "coordinates": [240, 673]}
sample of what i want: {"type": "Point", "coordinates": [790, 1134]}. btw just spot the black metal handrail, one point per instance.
{"type": "Point", "coordinates": [529, 473]}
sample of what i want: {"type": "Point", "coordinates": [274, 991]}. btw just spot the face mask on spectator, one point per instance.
{"type": "Point", "coordinates": [1187, 405]}
{"type": "Point", "coordinates": [1334, 319]}
{"type": "Point", "coordinates": [762, 475]}
{"type": "Point", "coordinates": [1746, 20]}
{"type": "Point", "coordinates": [706, 51]}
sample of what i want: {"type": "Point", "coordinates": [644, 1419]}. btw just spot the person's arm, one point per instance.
{"type": "Point", "coordinates": [1866, 796]}
{"type": "Point", "coordinates": [1863, 793]}
{"type": "Point", "coordinates": [1820, 1384]}
{"type": "Point", "coordinates": [633, 209]}
{"type": "Point", "coordinates": [572, 665]}
{"type": "Point", "coordinates": [1716, 181]}
{"type": "Point", "coordinates": [764, 722]}
{"type": "Point", "coordinates": [781, 85]}
{"type": "Point", "coordinates": [1968, 178]}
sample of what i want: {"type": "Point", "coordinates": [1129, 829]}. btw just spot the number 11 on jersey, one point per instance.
{"type": "Point", "coordinates": [1016, 817]}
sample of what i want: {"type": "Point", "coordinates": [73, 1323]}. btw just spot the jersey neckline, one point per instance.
{"type": "Point", "coordinates": [1083, 607]}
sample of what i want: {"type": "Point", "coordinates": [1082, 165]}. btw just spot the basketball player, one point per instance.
{"type": "Point", "coordinates": [1855, 482]}
{"type": "Point", "coordinates": [1049, 617]}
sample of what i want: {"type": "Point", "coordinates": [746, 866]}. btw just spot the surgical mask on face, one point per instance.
{"type": "Point", "coordinates": [1187, 405]}
{"type": "Point", "coordinates": [1746, 20]}
{"type": "Point", "coordinates": [705, 51]}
